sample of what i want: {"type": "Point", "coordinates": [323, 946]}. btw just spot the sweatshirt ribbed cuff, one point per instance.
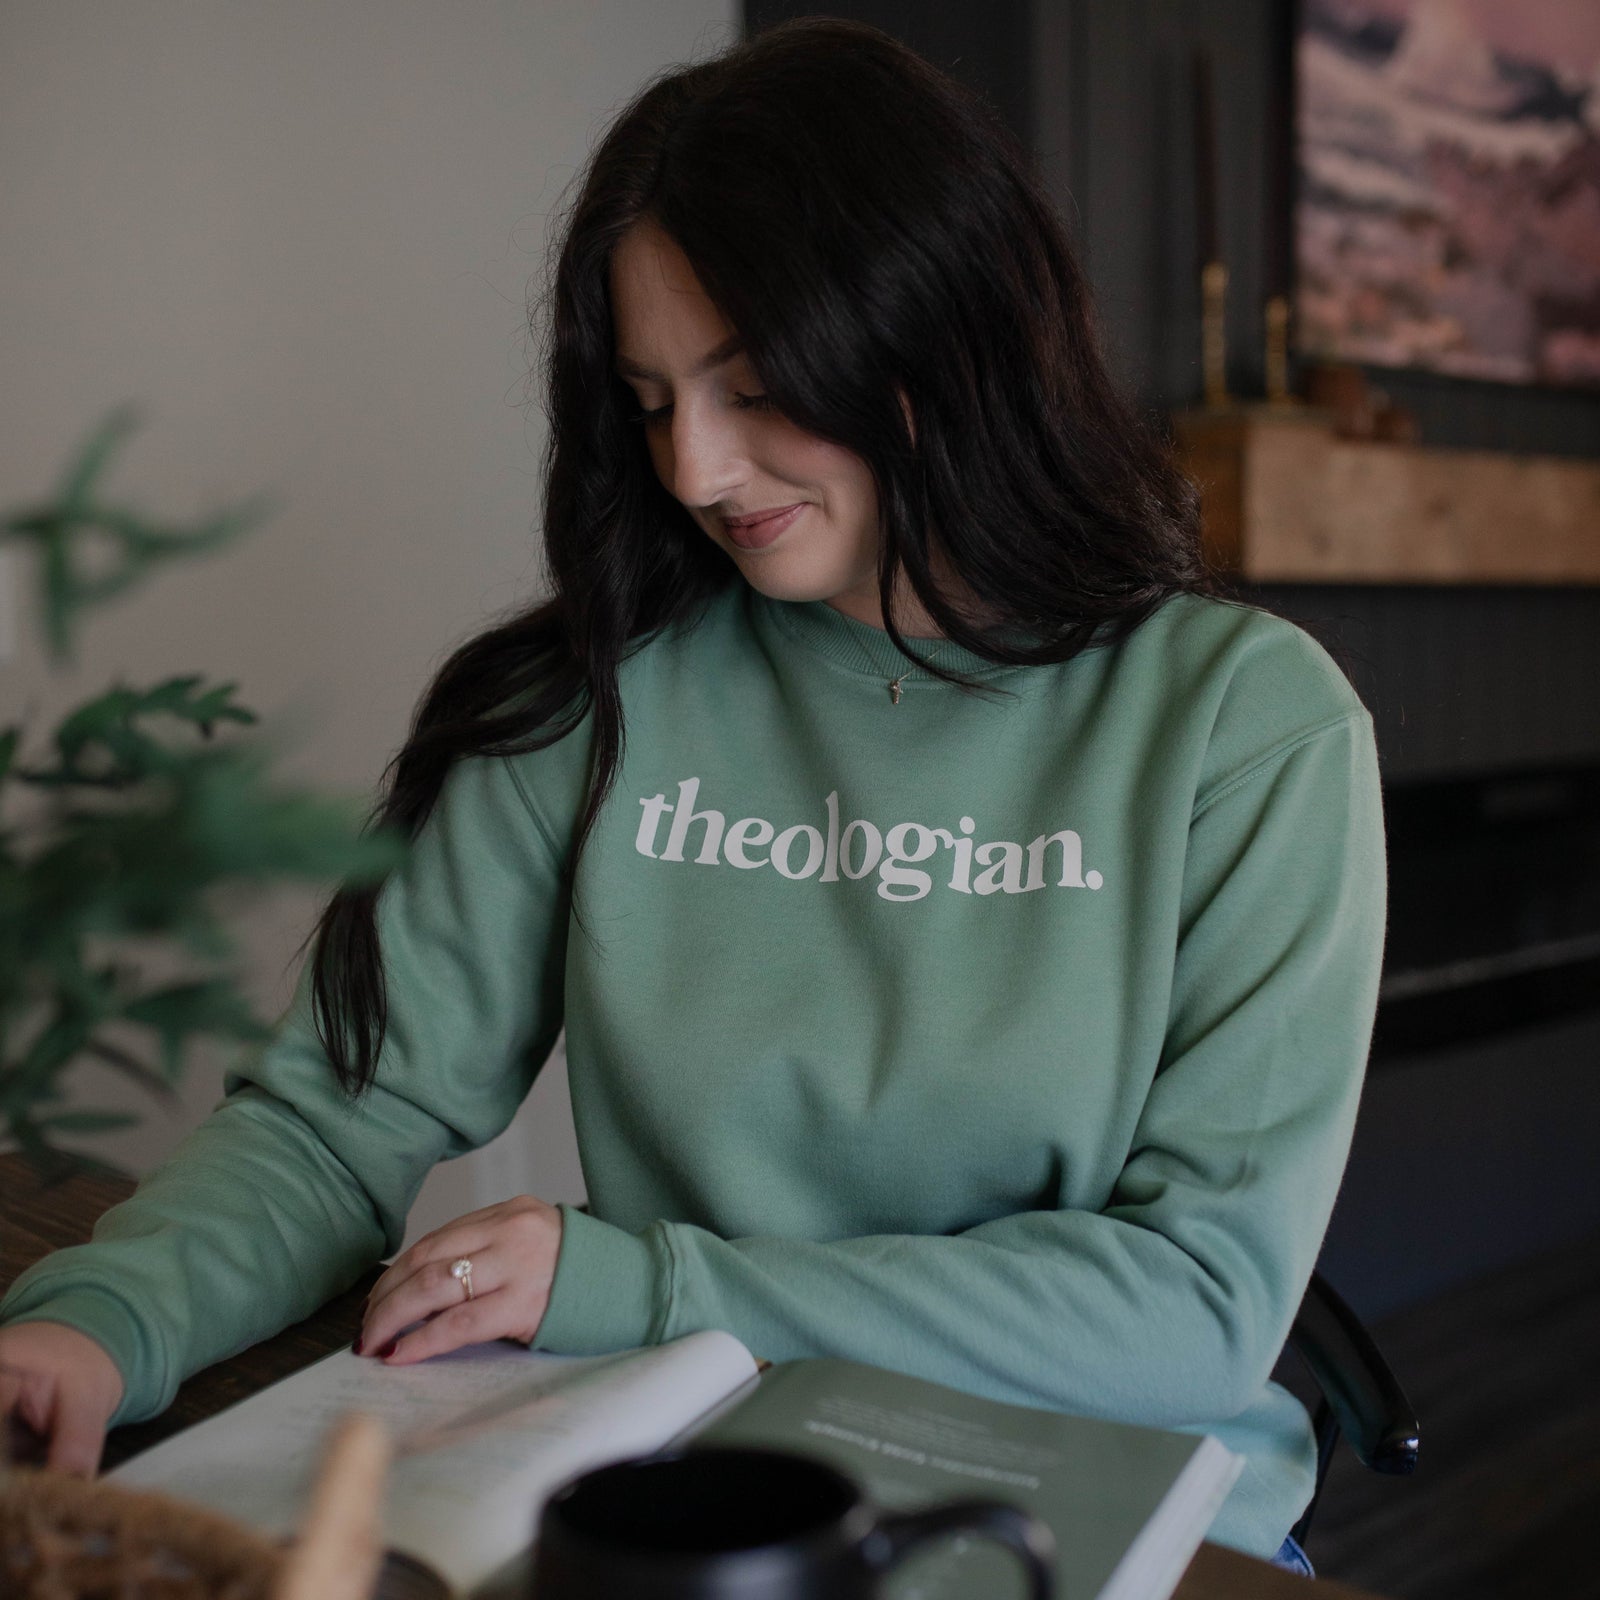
{"type": "Point", "coordinates": [610, 1288]}
{"type": "Point", "coordinates": [103, 1318]}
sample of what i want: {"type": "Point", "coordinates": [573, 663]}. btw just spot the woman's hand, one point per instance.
{"type": "Point", "coordinates": [64, 1386]}
{"type": "Point", "coordinates": [512, 1247]}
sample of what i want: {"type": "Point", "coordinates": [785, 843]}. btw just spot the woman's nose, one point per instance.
{"type": "Point", "coordinates": [708, 458]}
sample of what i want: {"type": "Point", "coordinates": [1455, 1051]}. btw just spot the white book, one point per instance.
{"type": "Point", "coordinates": [482, 1437]}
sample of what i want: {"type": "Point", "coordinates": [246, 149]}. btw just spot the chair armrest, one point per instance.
{"type": "Point", "coordinates": [1365, 1398]}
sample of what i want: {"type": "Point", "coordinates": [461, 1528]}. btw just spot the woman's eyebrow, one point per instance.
{"type": "Point", "coordinates": [725, 351]}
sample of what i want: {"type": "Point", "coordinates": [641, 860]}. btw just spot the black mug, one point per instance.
{"type": "Point", "coordinates": [731, 1523]}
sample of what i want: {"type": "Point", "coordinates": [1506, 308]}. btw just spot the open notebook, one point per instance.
{"type": "Point", "coordinates": [485, 1434]}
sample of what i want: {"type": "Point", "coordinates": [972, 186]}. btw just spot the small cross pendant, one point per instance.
{"type": "Point", "coordinates": [894, 690]}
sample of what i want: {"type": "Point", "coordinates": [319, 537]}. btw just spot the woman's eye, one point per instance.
{"type": "Point", "coordinates": [745, 402]}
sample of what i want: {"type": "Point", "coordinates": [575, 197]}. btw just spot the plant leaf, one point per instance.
{"type": "Point", "coordinates": [130, 1066]}
{"type": "Point", "coordinates": [80, 475]}
{"type": "Point", "coordinates": [211, 1005]}
{"type": "Point", "coordinates": [57, 529]}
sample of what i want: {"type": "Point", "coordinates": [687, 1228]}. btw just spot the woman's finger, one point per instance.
{"type": "Point", "coordinates": [79, 1434]}
{"type": "Point", "coordinates": [20, 1441]}
{"type": "Point", "coordinates": [428, 1291]}
{"type": "Point", "coordinates": [429, 1252]}
{"type": "Point", "coordinates": [460, 1236]}
{"type": "Point", "coordinates": [27, 1396]}
{"type": "Point", "coordinates": [476, 1321]}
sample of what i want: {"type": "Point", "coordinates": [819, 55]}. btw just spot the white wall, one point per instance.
{"type": "Point", "coordinates": [301, 237]}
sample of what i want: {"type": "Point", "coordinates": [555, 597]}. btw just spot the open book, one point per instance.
{"type": "Point", "coordinates": [484, 1435]}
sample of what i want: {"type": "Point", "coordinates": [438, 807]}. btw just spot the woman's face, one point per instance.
{"type": "Point", "coordinates": [724, 454]}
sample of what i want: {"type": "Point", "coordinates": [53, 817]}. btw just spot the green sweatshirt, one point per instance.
{"type": "Point", "coordinates": [1010, 1041]}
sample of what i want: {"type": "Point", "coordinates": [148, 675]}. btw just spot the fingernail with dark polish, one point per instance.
{"type": "Point", "coordinates": [355, 1349]}
{"type": "Point", "coordinates": [388, 1350]}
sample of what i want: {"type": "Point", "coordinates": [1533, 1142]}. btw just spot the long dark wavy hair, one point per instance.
{"type": "Point", "coordinates": [871, 228]}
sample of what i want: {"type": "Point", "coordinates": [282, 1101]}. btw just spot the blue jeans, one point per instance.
{"type": "Point", "coordinates": [1293, 1559]}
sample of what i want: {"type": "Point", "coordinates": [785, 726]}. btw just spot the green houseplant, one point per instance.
{"type": "Point", "coordinates": [144, 815]}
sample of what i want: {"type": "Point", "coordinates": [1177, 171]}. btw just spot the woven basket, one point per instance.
{"type": "Point", "coordinates": [66, 1538]}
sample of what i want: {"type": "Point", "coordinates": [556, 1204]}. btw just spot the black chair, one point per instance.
{"type": "Point", "coordinates": [1359, 1394]}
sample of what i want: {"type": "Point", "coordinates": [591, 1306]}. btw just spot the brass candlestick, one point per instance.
{"type": "Point", "coordinates": [1213, 332]}
{"type": "Point", "coordinates": [1278, 353]}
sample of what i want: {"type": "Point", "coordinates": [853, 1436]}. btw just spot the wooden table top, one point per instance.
{"type": "Point", "coordinates": [36, 1218]}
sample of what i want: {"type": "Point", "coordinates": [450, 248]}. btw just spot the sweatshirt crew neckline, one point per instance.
{"type": "Point", "coordinates": [868, 651]}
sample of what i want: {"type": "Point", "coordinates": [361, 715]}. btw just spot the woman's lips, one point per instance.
{"type": "Point", "coordinates": [757, 535]}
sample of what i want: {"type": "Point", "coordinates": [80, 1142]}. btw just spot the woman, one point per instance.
{"type": "Point", "coordinates": [968, 960]}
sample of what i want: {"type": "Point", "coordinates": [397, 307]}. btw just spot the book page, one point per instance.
{"type": "Point", "coordinates": [482, 1436]}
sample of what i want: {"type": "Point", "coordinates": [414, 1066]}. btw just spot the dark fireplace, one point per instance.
{"type": "Point", "coordinates": [1475, 1144]}
{"type": "Point", "coordinates": [1494, 906]}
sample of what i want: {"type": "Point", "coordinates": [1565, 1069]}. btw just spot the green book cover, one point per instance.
{"type": "Point", "coordinates": [1128, 1505]}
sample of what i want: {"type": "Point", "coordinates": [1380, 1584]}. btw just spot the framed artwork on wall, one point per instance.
{"type": "Point", "coordinates": [1447, 211]}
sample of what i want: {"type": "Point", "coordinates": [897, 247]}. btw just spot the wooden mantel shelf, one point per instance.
{"type": "Point", "coordinates": [1288, 501]}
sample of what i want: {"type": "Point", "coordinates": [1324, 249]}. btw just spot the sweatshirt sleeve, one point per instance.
{"type": "Point", "coordinates": [1169, 1306]}
{"type": "Point", "coordinates": [287, 1192]}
